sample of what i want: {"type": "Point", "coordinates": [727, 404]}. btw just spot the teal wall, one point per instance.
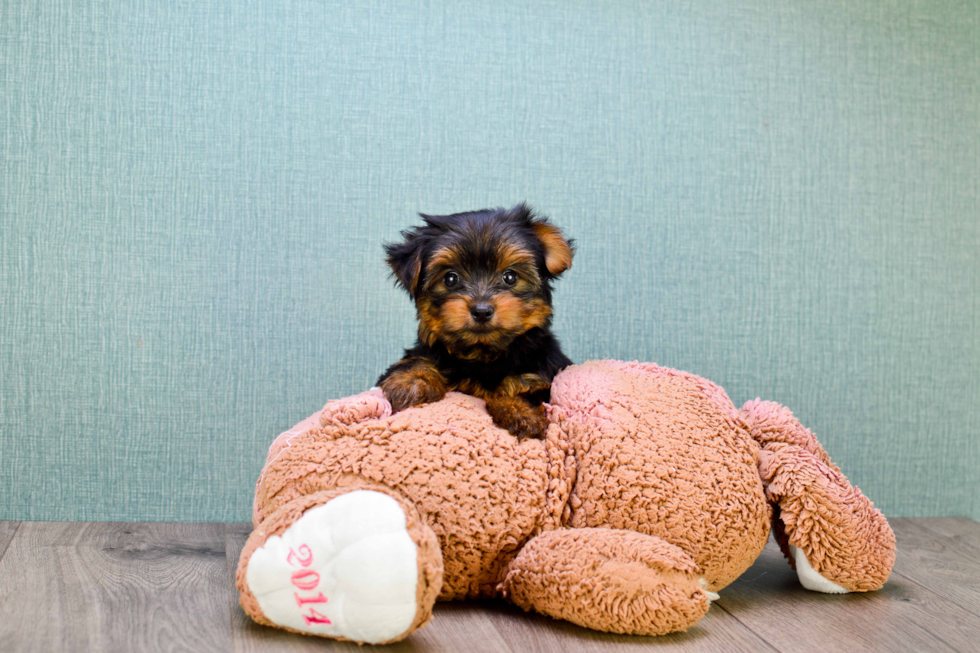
{"type": "Point", "coordinates": [780, 196]}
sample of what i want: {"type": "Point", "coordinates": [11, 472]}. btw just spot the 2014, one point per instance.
{"type": "Point", "coordinates": [307, 580]}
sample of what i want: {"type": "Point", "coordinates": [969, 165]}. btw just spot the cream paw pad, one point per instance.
{"type": "Point", "coordinates": [347, 568]}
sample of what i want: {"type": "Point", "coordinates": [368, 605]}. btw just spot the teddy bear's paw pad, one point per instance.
{"type": "Point", "coordinates": [810, 578]}
{"type": "Point", "coordinates": [712, 596]}
{"type": "Point", "coordinates": [346, 569]}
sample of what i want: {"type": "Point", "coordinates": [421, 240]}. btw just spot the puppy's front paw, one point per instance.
{"type": "Point", "coordinates": [406, 389]}
{"type": "Point", "coordinates": [518, 416]}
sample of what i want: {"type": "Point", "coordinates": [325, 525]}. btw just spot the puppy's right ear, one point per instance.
{"type": "Point", "coordinates": [405, 259]}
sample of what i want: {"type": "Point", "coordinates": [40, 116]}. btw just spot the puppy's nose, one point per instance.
{"type": "Point", "coordinates": [481, 312]}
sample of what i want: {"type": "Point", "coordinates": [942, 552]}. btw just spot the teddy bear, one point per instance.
{"type": "Point", "coordinates": [649, 493]}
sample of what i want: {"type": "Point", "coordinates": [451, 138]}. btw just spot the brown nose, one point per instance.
{"type": "Point", "coordinates": [481, 313]}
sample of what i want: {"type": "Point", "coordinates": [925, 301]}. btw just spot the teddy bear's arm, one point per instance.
{"type": "Point", "coordinates": [610, 580]}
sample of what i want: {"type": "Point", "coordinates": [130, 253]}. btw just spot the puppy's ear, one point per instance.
{"type": "Point", "coordinates": [405, 259]}
{"type": "Point", "coordinates": [558, 250]}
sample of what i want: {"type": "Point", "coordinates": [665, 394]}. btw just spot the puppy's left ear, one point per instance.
{"type": "Point", "coordinates": [558, 250]}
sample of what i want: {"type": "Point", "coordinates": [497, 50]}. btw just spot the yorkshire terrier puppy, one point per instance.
{"type": "Point", "coordinates": [481, 282]}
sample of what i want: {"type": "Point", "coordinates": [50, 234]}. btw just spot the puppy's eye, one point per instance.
{"type": "Point", "coordinates": [510, 277]}
{"type": "Point", "coordinates": [450, 280]}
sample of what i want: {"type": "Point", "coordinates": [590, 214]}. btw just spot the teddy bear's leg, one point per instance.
{"type": "Point", "coordinates": [353, 563]}
{"type": "Point", "coordinates": [611, 580]}
{"type": "Point", "coordinates": [831, 533]}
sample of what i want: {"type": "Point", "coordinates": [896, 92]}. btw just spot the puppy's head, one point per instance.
{"type": "Point", "coordinates": [480, 279]}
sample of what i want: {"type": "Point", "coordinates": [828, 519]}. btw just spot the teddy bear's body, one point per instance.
{"type": "Point", "coordinates": [644, 498]}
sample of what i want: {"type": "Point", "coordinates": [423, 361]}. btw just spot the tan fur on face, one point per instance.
{"type": "Point", "coordinates": [512, 256]}
{"type": "Point", "coordinates": [511, 318]}
{"type": "Point", "coordinates": [514, 315]}
{"type": "Point", "coordinates": [456, 314]}
{"type": "Point", "coordinates": [557, 252]}
{"type": "Point", "coordinates": [443, 258]}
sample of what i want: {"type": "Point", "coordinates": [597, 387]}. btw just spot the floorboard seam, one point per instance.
{"type": "Point", "coordinates": [12, 536]}
{"type": "Point", "coordinates": [747, 627]}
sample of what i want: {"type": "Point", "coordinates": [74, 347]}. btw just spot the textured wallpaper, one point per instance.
{"type": "Point", "coordinates": [780, 196]}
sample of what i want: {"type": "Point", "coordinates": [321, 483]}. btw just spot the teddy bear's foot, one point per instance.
{"type": "Point", "coordinates": [830, 532]}
{"type": "Point", "coordinates": [357, 566]}
{"type": "Point", "coordinates": [611, 580]}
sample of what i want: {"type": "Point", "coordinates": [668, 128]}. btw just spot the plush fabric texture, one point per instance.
{"type": "Point", "coordinates": [664, 452]}
{"type": "Point", "coordinates": [649, 489]}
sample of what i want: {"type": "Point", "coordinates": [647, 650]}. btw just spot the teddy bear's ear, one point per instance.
{"type": "Point", "coordinates": [558, 250]}
{"type": "Point", "coordinates": [405, 258]}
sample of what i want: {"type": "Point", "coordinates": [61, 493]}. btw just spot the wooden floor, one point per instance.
{"type": "Point", "coordinates": [169, 587]}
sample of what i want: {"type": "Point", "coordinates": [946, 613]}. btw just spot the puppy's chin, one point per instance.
{"type": "Point", "coordinates": [481, 331]}
{"type": "Point", "coordinates": [487, 336]}
{"type": "Point", "coordinates": [477, 342]}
